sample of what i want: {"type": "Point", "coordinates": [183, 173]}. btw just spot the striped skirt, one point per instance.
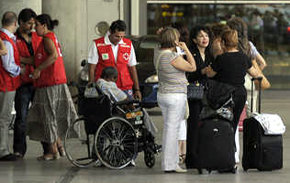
{"type": "Point", "coordinates": [51, 113]}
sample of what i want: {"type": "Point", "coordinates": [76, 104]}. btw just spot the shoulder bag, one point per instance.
{"type": "Point", "coordinates": [195, 91]}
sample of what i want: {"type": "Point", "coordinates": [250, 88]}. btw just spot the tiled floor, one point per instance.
{"type": "Point", "coordinates": [30, 170]}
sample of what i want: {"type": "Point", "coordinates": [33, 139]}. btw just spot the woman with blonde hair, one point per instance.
{"type": "Point", "coordinates": [171, 97]}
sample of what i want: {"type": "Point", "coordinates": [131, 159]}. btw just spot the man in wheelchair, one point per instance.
{"type": "Point", "coordinates": [107, 83]}
{"type": "Point", "coordinates": [120, 127]}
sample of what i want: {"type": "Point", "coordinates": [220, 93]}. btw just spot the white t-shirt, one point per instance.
{"type": "Point", "coordinates": [254, 51]}
{"type": "Point", "coordinates": [93, 56]}
{"type": "Point", "coordinates": [110, 88]}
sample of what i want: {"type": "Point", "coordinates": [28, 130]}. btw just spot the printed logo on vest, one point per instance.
{"type": "Point", "coordinates": [126, 56]}
{"type": "Point", "coordinates": [105, 56]}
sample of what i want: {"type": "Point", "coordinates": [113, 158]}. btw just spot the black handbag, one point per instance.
{"type": "Point", "coordinates": [195, 91]}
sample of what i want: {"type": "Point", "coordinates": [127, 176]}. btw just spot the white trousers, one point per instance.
{"type": "Point", "coordinates": [182, 130]}
{"type": "Point", "coordinates": [237, 140]}
{"type": "Point", "coordinates": [173, 108]}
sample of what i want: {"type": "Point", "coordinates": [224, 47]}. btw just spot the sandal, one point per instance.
{"type": "Point", "coordinates": [182, 158]}
{"type": "Point", "coordinates": [61, 151]}
{"type": "Point", "coordinates": [48, 157]}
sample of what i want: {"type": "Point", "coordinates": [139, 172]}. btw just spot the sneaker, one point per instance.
{"type": "Point", "coordinates": [177, 170]}
{"type": "Point", "coordinates": [8, 157]}
{"type": "Point", "coordinates": [180, 170]}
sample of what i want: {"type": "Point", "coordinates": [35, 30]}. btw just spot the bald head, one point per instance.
{"type": "Point", "coordinates": [9, 18]}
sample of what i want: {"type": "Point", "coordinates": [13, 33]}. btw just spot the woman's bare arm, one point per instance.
{"type": "Point", "coordinates": [185, 65]}
{"type": "Point", "coordinates": [52, 56]}
{"type": "Point", "coordinates": [261, 61]}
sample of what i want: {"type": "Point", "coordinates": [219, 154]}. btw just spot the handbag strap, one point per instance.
{"type": "Point", "coordinates": [158, 59]}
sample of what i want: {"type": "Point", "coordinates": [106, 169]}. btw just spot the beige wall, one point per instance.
{"type": "Point", "coordinates": [77, 20]}
{"type": "Point", "coordinates": [77, 26]}
{"type": "Point", "coordinates": [71, 31]}
{"type": "Point", "coordinates": [17, 5]}
{"type": "Point", "coordinates": [101, 10]}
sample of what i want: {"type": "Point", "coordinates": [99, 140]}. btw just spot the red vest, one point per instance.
{"type": "Point", "coordinates": [23, 52]}
{"type": "Point", "coordinates": [106, 58]}
{"type": "Point", "coordinates": [53, 74]}
{"type": "Point", "coordinates": [7, 82]}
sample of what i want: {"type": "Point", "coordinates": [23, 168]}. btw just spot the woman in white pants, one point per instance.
{"type": "Point", "coordinates": [172, 98]}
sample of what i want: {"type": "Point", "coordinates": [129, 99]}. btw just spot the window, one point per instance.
{"type": "Point", "coordinates": [149, 44]}
{"type": "Point", "coordinates": [268, 29]}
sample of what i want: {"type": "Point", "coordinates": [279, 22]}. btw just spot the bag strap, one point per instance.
{"type": "Point", "coordinates": [158, 59]}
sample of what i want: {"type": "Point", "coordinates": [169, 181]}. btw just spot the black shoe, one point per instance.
{"type": "Point", "coordinates": [169, 171]}
{"type": "Point", "coordinates": [9, 157]}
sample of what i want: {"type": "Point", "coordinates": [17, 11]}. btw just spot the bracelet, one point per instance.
{"type": "Point", "coordinates": [137, 89]}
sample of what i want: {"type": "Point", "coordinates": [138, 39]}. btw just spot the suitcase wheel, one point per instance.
{"type": "Point", "coordinates": [231, 170]}
{"type": "Point", "coordinates": [200, 171]}
{"type": "Point", "coordinates": [245, 168]}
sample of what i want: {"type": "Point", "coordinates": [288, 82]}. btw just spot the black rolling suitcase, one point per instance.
{"type": "Point", "coordinates": [260, 151]}
{"type": "Point", "coordinates": [216, 146]}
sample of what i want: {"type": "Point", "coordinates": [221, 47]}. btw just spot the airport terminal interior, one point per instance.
{"type": "Point", "coordinates": [268, 28]}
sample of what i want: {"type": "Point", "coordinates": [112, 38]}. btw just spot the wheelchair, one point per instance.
{"type": "Point", "coordinates": [108, 133]}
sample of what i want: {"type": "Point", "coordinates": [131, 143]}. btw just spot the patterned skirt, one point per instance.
{"type": "Point", "coordinates": [51, 113]}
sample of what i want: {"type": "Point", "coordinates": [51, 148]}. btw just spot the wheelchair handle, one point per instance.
{"type": "Point", "coordinates": [126, 102]}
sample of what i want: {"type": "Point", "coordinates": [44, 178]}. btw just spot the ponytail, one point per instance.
{"type": "Point", "coordinates": [46, 19]}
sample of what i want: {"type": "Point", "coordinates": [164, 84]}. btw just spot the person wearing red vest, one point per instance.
{"type": "Point", "coordinates": [27, 42]}
{"type": "Point", "coordinates": [9, 81]}
{"type": "Point", "coordinates": [116, 51]}
{"type": "Point", "coordinates": [52, 109]}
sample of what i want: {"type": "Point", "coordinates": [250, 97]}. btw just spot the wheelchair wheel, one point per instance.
{"type": "Point", "coordinates": [149, 157]}
{"type": "Point", "coordinates": [116, 143]}
{"type": "Point", "coordinates": [78, 146]}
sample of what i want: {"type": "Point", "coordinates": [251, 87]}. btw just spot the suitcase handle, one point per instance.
{"type": "Point", "coordinates": [259, 95]}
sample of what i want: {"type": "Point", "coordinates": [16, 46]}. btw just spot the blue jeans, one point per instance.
{"type": "Point", "coordinates": [24, 95]}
